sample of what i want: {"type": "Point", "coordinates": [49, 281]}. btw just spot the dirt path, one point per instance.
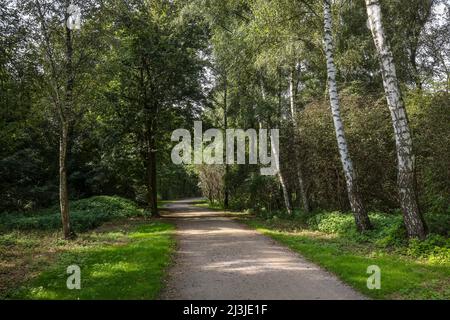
{"type": "Point", "coordinates": [219, 258]}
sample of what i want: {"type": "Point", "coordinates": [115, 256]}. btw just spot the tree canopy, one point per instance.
{"type": "Point", "coordinates": [90, 111]}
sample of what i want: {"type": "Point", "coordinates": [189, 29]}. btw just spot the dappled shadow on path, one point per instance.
{"type": "Point", "coordinates": [218, 258]}
{"type": "Point", "coordinates": [186, 209]}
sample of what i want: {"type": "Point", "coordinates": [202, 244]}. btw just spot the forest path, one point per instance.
{"type": "Point", "coordinates": [219, 258]}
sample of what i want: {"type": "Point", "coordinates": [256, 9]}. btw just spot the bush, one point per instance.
{"type": "Point", "coordinates": [388, 229]}
{"type": "Point", "coordinates": [435, 248]}
{"type": "Point", "coordinates": [85, 214]}
{"type": "Point", "coordinates": [438, 223]}
{"type": "Point", "coordinates": [332, 222]}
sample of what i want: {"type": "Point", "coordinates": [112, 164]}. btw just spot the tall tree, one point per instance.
{"type": "Point", "coordinates": [226, 197]}
{"type": "Point", "coordinates": [414, 222]}
{"type": "Point", "coordinates": [356, 203]}
{"type": "Point", "coordinates": [65, 122]}
{"type": "Point", "coordinates": [293, 107]}
{"type": "Point", "coordinates": [56, 35]}
{"type": "Point", "coordinates": [279, 173]}
{"type": "Point", "coordinates": [160, 72]}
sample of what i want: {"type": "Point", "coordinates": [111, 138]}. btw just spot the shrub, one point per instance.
{"type": "Point", "coordinates": [388, 229]}
{"type": "Point", "coordinates": [332, 222]}
{"type": "Point", "coordinates": [85, 214]}
{"type": "Point", "coordinates": [435, 248]}
{"type": "Point", "coordinates": [438, 223]}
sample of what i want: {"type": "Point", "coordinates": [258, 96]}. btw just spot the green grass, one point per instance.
{"type": "Point", "coordinates": [163, 203]}
{"type": "Point", "coordinates": [118, 264]}
{"type": "Point", "coordinates": [216, 206]}
{"type": "Point", "coordinates": [402, 277]}
{"type": "Point", "coordinates": [206, 204]}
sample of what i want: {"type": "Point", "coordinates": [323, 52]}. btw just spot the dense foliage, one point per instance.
{"type": "Point", "coordinates": [114, 90]}
{"type": "Point", "coordinates": [86, 214]}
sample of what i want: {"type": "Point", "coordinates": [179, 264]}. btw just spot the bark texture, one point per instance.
{"type": "Point", "coordinates": [359, 212]}
{"type": "Point", "coordinates": [413, 219]}
{"type": "Point", "coordinates": [225, 125]}
{"type": "Point", "coordinates": [287, 200]}
{"type": "Point", "coordinates": [63, 192]}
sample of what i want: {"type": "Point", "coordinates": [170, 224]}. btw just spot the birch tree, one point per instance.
{"type": "Point", "coordinates": [413, 219]}
{"type": "Point", "coordinates": [281, 178]}
{"type": "Point", "coordinates": [293, 107]}
{"type": "Point", "coordinates": [357, 206]}
{"type": "Point", "coordinates": [225, 127]}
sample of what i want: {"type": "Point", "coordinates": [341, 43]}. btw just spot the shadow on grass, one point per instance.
{"type": "Point", "coordinates": [401, 277]}
{"type": "Point", "coordinates": [131, 270]}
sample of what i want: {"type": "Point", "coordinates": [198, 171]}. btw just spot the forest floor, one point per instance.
{"type": "Point", "coordinates": [220, 258]}
{"type": "Point", "coordinates": [401, 277]}
{"type": "Point", "coordinates": [122, 259]}
{"type": "Point", "coordinates": [218, 255]}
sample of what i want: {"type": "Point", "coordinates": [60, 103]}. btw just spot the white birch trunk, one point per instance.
{"type": "Point", "coordinates": [301, 180]}
{"type": "Point", "coordinates": [414, 222]}
{"type": "Point", "coordinates": [287, 200]}
{"type": "Point", "coordinates": [361, 217]}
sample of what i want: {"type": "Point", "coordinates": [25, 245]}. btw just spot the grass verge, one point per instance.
{"type": "Point", "coordinates": [121, 260]}
{"type": "Point", "coordinates": [206, 204]}
{"type": "Point", "coordinates": [402, 277]}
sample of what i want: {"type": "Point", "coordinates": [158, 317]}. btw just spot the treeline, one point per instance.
{"type": "Point", "coordinates": [86, 110]}
{"type": "Point", "coordinates": [358, 89]}
{"type": "Point", "coordinates": [360, 98]}
{"type": "Point", "coordinates": [373, 149]}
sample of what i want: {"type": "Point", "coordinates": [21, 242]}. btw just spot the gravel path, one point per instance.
{"type": "Point", "coordinates": [218, 258]}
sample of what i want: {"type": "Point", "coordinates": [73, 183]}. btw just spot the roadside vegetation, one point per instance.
{"type": "Point", "coordinates": [85, 214]}
{"type": "Point", "coordinates": [124, 258]}
{"type": "Point", "coordinates": [410, 269]}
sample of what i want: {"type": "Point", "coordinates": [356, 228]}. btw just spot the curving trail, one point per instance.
{"type": "Point", "coordinates": [219, 258]}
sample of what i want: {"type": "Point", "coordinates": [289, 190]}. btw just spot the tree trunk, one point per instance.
{"type": "Point", "coordinates": [413, 219]}
{"type": "Point", "coordinates": [152, 194]}
{"type": "Point", "coordinates": [286, 197]}
{"type": "Point", "coordinates": [150, 108]}
{"type": "Point", "coordinates": [63, 193]}
{"type": "Point", "coordinates": [225, 125]}
{"type": "Point", "coordinates": [287, 200]}
{"type": "Point", "coordinates": [359, 212]}
{"type": "Point", "coordinates": [416, 74]}
{"type": "Point", "coordinates": [63, 139]}
{"type": "Point", "coordinates": [301, 180]}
